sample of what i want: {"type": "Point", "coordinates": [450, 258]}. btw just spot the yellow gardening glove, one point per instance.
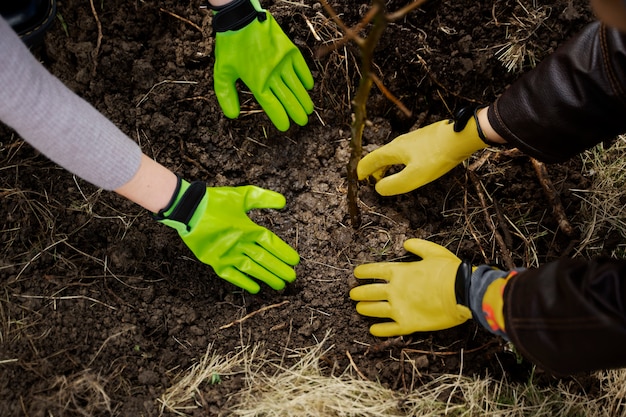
{"type": "Point", "coordinates": [417, 296]}
{"type": "Point", "coordinates": [427, 154]}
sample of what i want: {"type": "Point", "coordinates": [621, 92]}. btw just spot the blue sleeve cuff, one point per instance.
{"type": "Point", "coordinates": [482, 277]}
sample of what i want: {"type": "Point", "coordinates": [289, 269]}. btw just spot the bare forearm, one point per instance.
{"type": "Point", "coordinates": [490, 134]}
{"type": "Point", "coordinates": [152, 186]}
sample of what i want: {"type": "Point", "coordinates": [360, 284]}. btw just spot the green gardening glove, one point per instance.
{"type": "Point", "coordinates": [425, 295]}
{"type": "Point", "coordinates": [427, 153]}
{"type": "Point", "coordinates": [213, 223]}
{"type": "Point", "coordinates": [251, 46]}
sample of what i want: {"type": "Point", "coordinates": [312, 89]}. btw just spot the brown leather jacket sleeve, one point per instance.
{"type": "Point", "coordinates": [569, 315]}
{"type": "Point", "coordinates": [571, 101]}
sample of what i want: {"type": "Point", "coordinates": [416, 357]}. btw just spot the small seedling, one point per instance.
{"type": "Point", "coordinates": [379, 18]}
{"type": "Point", "coordinates": [63, 24]}
{"type": "Point", "coordinates": [215, 378]}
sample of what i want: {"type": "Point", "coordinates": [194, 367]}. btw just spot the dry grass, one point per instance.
{"type": "Point", "coordinates": [518, 50]}
{"type": "Point", "coordinates": [337, 66]}
{"type": "Point", "coordinates": [310, 388]}
{"type": "Point", "coordinates": [186, 394]}
{"type": "Point", "coordinates": [82, 394]}
{"type": "Point", "coordinates": [603, 211]}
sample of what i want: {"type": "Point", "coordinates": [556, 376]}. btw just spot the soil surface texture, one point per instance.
{"type": "Point", "coordinates": [93, 287]}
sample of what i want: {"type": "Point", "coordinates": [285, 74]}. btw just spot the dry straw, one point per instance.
{"type": "Point", "coordinates": [310, 388]}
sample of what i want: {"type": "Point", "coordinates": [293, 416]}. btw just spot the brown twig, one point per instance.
{"type": "Point", "coordinates": [553, 197]}
{"type": "Point", "coordinates": [479, 162]}
{"type": "Point", "coordinates": [96, 51]}
{"type": "Point", "coordinates": [504, 250]}
{"type": "Point", "coordinates": [254, 313]}
{"type": "Point", "coordinates": [350, 34]}
{"type": "Point", "coordinates": [508, 237]}
{"type": "Point", "coordinates": [390, 96]}
{"type": "Point", "coordinates": [436, 81]}
{"type": "Point", "coordinates": [449, 353]}
{"type": "Point", "coordinates": [472, 228]}
{"type": "Point", "coordinates": [189, 22]}
{"type": "Point", "coordinates": [475, 166]}
{"type": "Point", "coordinates": [186, 157]}
{"type": "Point", "coordinates": [399, 14]}
{"type": "Point", "coordinates": [355, 367]}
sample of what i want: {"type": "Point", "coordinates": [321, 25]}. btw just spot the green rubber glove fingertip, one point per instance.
{"type": "Point", "coordinates": [250, 286]}
{"type": "Point", "coordinates": [230, 108]}
{"type": "Point", "coordinates": [227, 97]}
{"type": "Point", "coordinates": [292, 275]}
{"type": "Point", "coordinates": [293, 260]}
{"type": "Point", "coordinates": [277, 116]}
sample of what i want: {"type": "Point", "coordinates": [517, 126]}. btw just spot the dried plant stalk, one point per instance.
{"type": "Point", "coordinates": [379, 19]}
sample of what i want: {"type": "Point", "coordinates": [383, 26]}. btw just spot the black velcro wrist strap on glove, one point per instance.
{"type": "Point", "coordinates": [462, 116]}
{"type": "Point", "coordinates": [235, 15]}
{"type": "Point", "coordinates": [462, 283]}
{"type": "Point", "coordinates": [183, 210]}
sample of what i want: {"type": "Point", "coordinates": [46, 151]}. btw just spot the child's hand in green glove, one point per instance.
{"type": "Point", "coordinates": [251, 46]}
{"type": "Point", "coordinates": [213, 223]}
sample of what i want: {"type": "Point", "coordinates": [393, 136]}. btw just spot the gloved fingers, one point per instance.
{"type": "Point", "coordinates": [239, 279]}
{"type": "Point", "coordinates": [226, 92]}
{"type": "Point", "coordinates": [286, 96]}
{"type": "Point", "coordinates": [304, 74]}
{"type": "Point", "coordinates": [298, 78]}
{"type": "Point", "coordinates": [273, 108]}
{"type": "Point", "coordinates": [380, 174]}
{"type": "Point", "coordinates": [281, 250]}
{"type": "Point", "coordinates": [261, 198]}
{"type": "Point", "coordinates": [426, 249]}
{"type": "Point", "coordinates": [305, 103]}
{"type": "Point", "coordinates": [402, 182]}
{"type": "Point", "coordinates": [380, 309]}
{"type": "Point", "coordinates": [272, 263]}
{"type": "Point", "coordinates": [388, 329]}
{"type": "Point", "coordinates": [378, 270]}
{"type": "Point", "coordinates": [380, 159]}
{"type": "Point", "coordinates": [250, 266]}
{"type": "Point", "coordinates": [369, 292]}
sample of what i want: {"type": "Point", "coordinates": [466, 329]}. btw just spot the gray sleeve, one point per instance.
{"type": "Point", "coordinates": [58, 123]}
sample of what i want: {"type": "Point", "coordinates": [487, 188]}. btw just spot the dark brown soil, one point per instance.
{"type": "Point", "coordinates": [89, 282]}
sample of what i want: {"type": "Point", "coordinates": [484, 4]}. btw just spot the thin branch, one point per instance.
{"type": "Point", "coordinates": [254, 313]}
{"type": "Point", "coordinates": [436, 81]}
{"type": "Point", "coordinates": [504, 250]}
{"type": "Point", "coordinates": [189, 22]}
{"type": "Point", "coordinates": [399, 14]}
{"type": "Point", "coordinates": [96, 51]}
{"type": "Point", "coordinates": [449, 353]}
{"type": "Point", "coordinates": [348, 33]}
{"type": "Point", "coordinates": [66, 297]}
{"type": "Point", "coordinates": [553, 197]}
{"type": "Point", "coordinates": [390, 96]}
{"type": "Point", "coordinates": [358, 371]}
